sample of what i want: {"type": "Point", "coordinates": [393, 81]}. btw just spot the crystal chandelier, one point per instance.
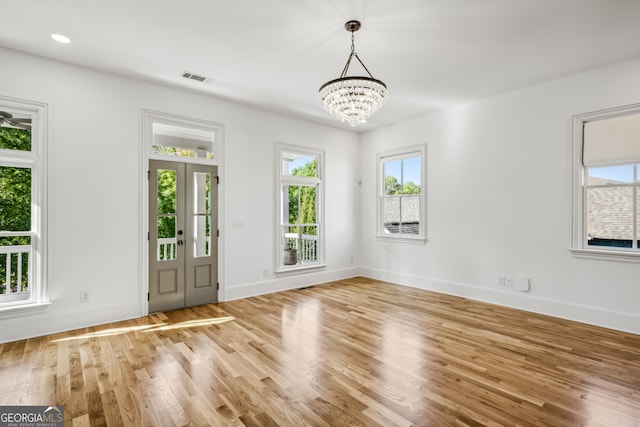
{"type": "Point", "coordinates": [353, 99]}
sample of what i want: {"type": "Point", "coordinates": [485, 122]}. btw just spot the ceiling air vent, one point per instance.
{"type": "Point", "coordinates": [195, 77]}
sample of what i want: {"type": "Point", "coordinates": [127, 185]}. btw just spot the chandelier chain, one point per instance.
{"type": "Point", "coordinates": [353, 42]}
{"type": "Point", "coordinates": [351, 55]}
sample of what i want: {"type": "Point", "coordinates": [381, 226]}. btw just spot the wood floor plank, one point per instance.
{"type": "Point", "coordinates": [356, 352]}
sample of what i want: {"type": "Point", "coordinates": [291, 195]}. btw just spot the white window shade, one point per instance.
{"type": "Point", "coordinates": [612, 141]}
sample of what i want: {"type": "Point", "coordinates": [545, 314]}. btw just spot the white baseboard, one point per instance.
{"type": "Point", "coordinates": [621, 321]}
{"type": "Point", "coordinates": [286, 283]}
{"type": "Point", "coordinates": [48, 323]}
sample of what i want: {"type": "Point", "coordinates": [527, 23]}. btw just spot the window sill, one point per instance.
{"type": "Point", "coordinates": [606, 255]}
{"type": "Point", "coordinates": [406, 239]}
{"type": "Point", "coordinates": [300, 269]}
{"type": "Point", "coordinates": [23, 309]}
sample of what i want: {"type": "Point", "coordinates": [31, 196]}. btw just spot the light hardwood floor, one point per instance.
{"type": "Point", "coordinates": [353, 352]}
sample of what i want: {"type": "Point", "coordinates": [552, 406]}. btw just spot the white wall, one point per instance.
{"type": "Point", "coordinates": [498, 196]}
{"type": "Point", "coordinates": [499, 202]}
{"type": "Point", "coordinates": [94, 211]}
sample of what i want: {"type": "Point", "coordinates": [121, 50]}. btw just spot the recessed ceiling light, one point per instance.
{"type": "Point", "coordinates": [60, 38]}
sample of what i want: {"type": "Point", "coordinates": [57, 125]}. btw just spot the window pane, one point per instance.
{"type": "Point", "coordinates": [15, 199]}
{"type": "Point", "coordinates": [299, 165]}
{"type": "Point", "coordinates": [308, 205]}
{"type": "Point", "coordinates": [411, 176]}
{"type": "Point", "coordinates": [610, 216]}
{"type": "Point", "coordinates": [410, 213]}
{"type": "Point", "coordinates": [182, 152]}
{"type": "Point", "coordinates": [291, 198]}
{"type": "Point", "coordinates": [308, 246]}
{"type": "Point", "coordinates": [166, 191]}
{"type": "Point", "coordinates": [392, 177]}
{"type": "Point", "coordinates": [16, 272]}
{"type": "Point", "coordinates": [189, 141]}
{"type": "Point", "coordinates": [14, 138]}
{"type": "Point", "coordinates": [391, 213]}
{"type": "Point", "coordinates": [290, 237]}
{"type": "Point", "coordinates": [610, 175]}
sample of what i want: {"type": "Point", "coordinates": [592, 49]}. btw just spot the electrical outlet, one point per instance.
{"type": "Point", "coordinates": [265, 272]}
{"type": "Point", "coordinates": [501, 280]}
{"type": "Point", "coordinates": [508, 281]}
{"type": "Point", "coordinates": [84, 296]}
{"type": "Point", "coordinates": [351, 260]}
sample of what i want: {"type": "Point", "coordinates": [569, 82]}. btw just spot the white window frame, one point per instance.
{"type": "Point", "coordinates": [579, 246]}
{"type": "Point", "coordinates": [36, 159]}
{"type": "Point", "coordinates": [400, 154]}
{"type": "Point", "coordinates": [283, 180]}
{"type": "Point", "coordinates": [192, 130]}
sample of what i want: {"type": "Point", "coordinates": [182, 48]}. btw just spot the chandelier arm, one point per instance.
{"type": "Point", "coordinates": [362, 63]}
{"type": "Point", "coordinates": [346, 66]}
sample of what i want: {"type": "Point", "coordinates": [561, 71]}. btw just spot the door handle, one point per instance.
{"type": "Point", "coordinates": [180, 242]}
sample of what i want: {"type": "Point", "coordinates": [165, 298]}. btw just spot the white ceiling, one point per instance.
{"type": "Point", "coordinates": [275, 54]}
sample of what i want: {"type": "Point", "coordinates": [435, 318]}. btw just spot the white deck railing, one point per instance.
{"type": "Point", "coordinates": [306, 244]}
{"type": "Point", "coordinates": [167, 248]}
{"type": "Point", "coordinates": [15, 286]}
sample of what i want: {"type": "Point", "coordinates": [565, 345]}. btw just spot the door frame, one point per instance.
{"type": "Point", "coordinates": [147, 119]}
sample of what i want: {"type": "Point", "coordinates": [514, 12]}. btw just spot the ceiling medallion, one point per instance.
{"type": "Point", "coordinates": [353, 99]}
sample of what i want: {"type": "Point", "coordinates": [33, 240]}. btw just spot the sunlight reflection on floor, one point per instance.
{"type": "Point", "coordinates": [148, 328]}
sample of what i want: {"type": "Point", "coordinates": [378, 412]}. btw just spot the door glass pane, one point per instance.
{"type": "Point", "coordinates": [202, 214]}
{"type": "Point", "coordinates": [202, 235]}
{"type": "Point", "coordinates": [610, 216]}
{"type": "Point", "coordinates": [15, 132]}
{"type": "Point", "coordinates": [166, 238]}
{"type": "Point", "coordinates": [167, 191]}
{"type": "Point", "coordinates": [167, 207]}
{"type": "Point", "coordinates": [201, 192]}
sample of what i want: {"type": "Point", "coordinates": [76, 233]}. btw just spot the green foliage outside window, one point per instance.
{"type": "Point", "coordinates": [167, 207]}
{"type": "Point", "coordinates": [15, 139]}
{"type": "Point", "coordinates": [167, 203]}
{"type": "Point", "coordinates": [393, 187]}
{"type": "Point", "coordinates": [305, 198]}
{"type": "Point", "coordinates": [15, 207]}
